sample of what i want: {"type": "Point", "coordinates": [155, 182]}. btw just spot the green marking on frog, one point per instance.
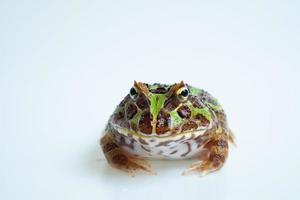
{"type": "Point", "coordinates": [119, 109]}
{"type": "Point", "coordinates": [202, 111]}
{"type": "Point", "coordinates": [156, 104]}
{"type": "Point", "coordinates": [153, 87]}
{"type": "Point", "coordinates": [135, 120]}
{"type": "Point", "coordinates": [176, 120]}
{"type": "Point", "coordinates": [195, 91]}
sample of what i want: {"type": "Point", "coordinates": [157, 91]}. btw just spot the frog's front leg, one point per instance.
{"type": "Point", "coordinates": [214, 155]}
{"type": "Point", "coordinates": [118, 158]}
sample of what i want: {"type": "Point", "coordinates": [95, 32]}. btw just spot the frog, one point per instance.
{"type": "Point", "coordinates": [170, 122]}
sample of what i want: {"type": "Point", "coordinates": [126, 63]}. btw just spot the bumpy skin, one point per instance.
{"type": "Point", "coordinates": [167, 122]}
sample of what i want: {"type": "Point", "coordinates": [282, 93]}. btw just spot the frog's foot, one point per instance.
{"type": "Point", "coordinates": [217, 151]}
{"type": "Point", "coordinates": [118, 158]}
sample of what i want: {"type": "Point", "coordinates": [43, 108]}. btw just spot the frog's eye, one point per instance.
{"type": "Point", "coordinates": [183, 93]}
{"type": "Point", "coordinates": [133, 93]}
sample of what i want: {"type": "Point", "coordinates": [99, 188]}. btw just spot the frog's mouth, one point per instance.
{"type": "Point", "coordinates": [169, 135]}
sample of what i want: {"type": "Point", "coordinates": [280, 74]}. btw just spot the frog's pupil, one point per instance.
{"type": "Point", "coordinates": [184, 93]}
{"type": "Point", "coordinates": [133, 92]}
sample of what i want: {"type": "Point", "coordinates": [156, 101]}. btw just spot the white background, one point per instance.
{"type": "Point", "coordinates": [64, 66]}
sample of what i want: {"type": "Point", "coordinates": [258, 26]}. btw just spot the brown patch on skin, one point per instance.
{"type": "Point", "coordinates": [184, 112]}
{"type": "Point", "coordinates": [131, 111]}
{"type": "Point", "coordinates": [166, 143]}
{"type": "Point", "coordinates": [109, 147]}
{"type": "Point", "coordinates": [142, 141]}
{"type": "Point", "coordinates": [118, 115]}
{"type": "Point", "coordinates": [189, 125]}
{"type": "Point", "coordinates": [173, 152]}
{"type": "Point", "coordinates": [172, 103]}
{"type": "Point", "coordinates": [163, 121]}
{"type": "Point", "coordinates": [119, 159]}
{"type": "Point", "coordinates": [142, 87]}
{"type": "Point", "coordinates": [196, 102]}
{"type": "Point", "coordinates": [161, 89]}
{"type": "Point", "coordinates": [218, 143]}
{"type": "Point", "coordinates": [175, 87]}
{"type": "Point", "coordinates": [202, 120]}
{"type": "Point", "coordinates": [188, 151]}
{"type": "Point", "coordinates": [142, 102]}
{"type": "Point", "coordinates": [145, 123]}
{"type": "Point", "coordinates": [148, 150]}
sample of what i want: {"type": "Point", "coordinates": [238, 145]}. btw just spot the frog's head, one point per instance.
{"type": "Point", "coordinates": [161, 110]}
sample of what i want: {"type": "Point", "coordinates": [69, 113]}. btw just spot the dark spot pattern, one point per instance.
{"type": "Point", "coordinates": [173, 152]}
{"type": "Point", "coordinates": [196, 102]}
{"type": "Point", "coordinates": [189, 125]}
{"type": "Point", "coordinates": [172, 103]}
{"type": "Point", "coordinates": [142, 141]}
{"type": "Point", "coordinates": [160, 90]}
{"type": "Point", "coordinates": [202, 120]}
{"type": "Point", "coordinates": [166, 143]}
{"type": "Point", "coordinates": [163, 121]}
{"type": "Point", "coordinates": [142, 102]}
{"type": "Point", "coordinates": [131, 111]}
{"type": "Point", "coordinates": [145, 123]}
{"type": "Point", "coordinates": [119, 115]}
{"type": "Point", "coordinates": [148, 150]}
{"type": "Point", "coordinates": [188, 151]}
{"type": "Point", "coordinates": [184, 112]}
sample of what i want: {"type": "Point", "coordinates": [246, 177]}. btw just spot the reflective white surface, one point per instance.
{"type": "Point", "coordinates": [64, 66]}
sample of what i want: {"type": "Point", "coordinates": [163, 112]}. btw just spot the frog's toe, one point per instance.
{"type": "Point", "coordinates": [130, 164]}
{"type": "Point", "coordinates": [201, 168]}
